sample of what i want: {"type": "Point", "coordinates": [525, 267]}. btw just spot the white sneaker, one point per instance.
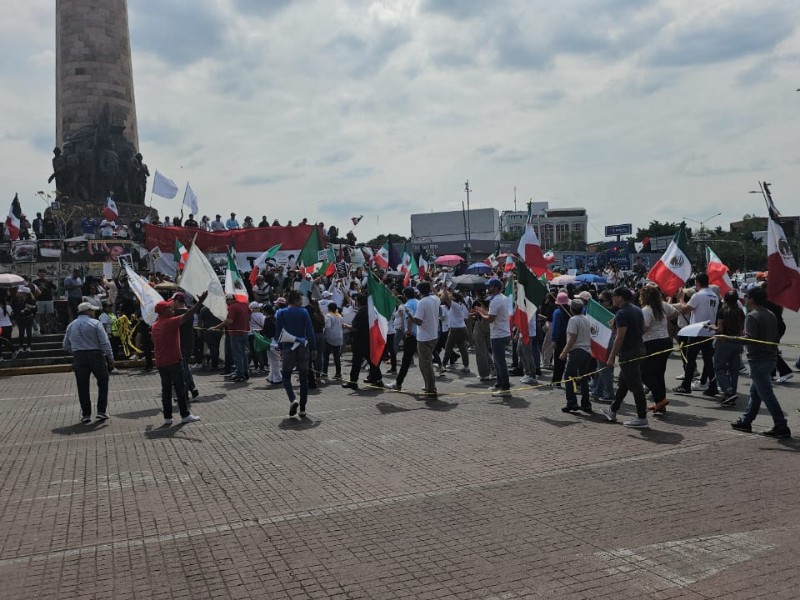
{"type": "Point", "coordinates": [494, 388]}
{"type": "Point", "coordinates": [526, 380]}
{"type": "Point", "coordinates": [190, 419]}
{"type": "Point", "coordinates": [167, 422]}
{"type": "Point", "coordinates": [392, 386]}
{"type": "Point", "coordinates": [610, 414]}
{"type": "Point", "coordinates": [697, 387]}
{"type": "Point", "coordinates": [784, 378]}
{"type": "Point", "coordinates": [501, 393]}
{"type": "Point", "coordinates": [637, 423]}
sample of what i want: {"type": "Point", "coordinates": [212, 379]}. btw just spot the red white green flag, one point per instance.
{"type": "Point", "coordinates": [717, 272]}
{"type": "Point", "coordinates": [234, 284]}
{"type": "Point", "coordinates": [673, 268]}
{"type": "Point", "coordinates": [381, 257]}
{"type": "Point", "coordinates": [600, 319]}
{"type": "Point", "coordinates": [380, 305]}
{"type": "Point", "coordinates": [181, 255]}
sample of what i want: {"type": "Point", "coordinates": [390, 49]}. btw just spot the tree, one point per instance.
{"type": "Point", "coordinates": [392, 238]}
{"type": "Point", "coordinates": [575, 243]}
{"type": "Point", "coordinates": [658, 229]}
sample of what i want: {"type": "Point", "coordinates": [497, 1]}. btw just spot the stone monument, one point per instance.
{"type": "Point", "coordinates": [96, 133]}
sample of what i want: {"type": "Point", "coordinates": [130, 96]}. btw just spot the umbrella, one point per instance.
{"type": "Point", "coordinates": [469, 282]}
{"type": "Point", "coordinates": [478, 268]}
{"type": "Point", "coordinates": [166, 286]}
{"type": "Point", "coordinates": [696, 330]}
{"type": "Point", "coordinates": [449, 260]}
{"type": "Point", "coordinates": [591, 278]}
{"type": "Point", "coordinates": [563, 280]}
{"type": "Point", "coordinates": [10, 280]}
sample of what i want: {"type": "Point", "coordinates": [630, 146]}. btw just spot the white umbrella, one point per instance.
{"type": "Point", "coordinates": [696, 330]}
{"type": "Point", "coordinates": [8, 280]}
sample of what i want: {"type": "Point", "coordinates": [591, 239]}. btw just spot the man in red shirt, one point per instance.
{"type": "Point", "coordinates": [166, 334]}
{"type": "Point", "coordinates": [237, 326]}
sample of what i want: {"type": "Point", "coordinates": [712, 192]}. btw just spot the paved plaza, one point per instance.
{"type": "Point", "coordinates": [381, 495]}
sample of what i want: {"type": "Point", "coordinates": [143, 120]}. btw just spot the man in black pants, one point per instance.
{"type": "Point", "coordinates": [410, 339]}
{"type": "Point", "coordinates": [87, 341]}
{"type": "Point", "coordinates": [629, 346]}
{"type": "Point", "coordinates": [359, 342]}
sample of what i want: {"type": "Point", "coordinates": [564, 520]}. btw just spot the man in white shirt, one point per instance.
{"type": "Point", "coordinates": [426, 317]}
{"type": "Point", "coordinates": [499, 335]}
{"type": "Point", "coordinates": [703, 307]}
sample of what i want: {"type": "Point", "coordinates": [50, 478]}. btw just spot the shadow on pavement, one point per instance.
{"type": "Point", "coordinates": [660, 437]}
{"type": "Point", "coordinates": [684, 420]}
{"type": "Point", "coordinates": [387, 408]}
{"type": "Point", "coordinates": [439, 405]}
{"type": "Point", "coordinates": [78, 428]}
{"type": "Point", "coordinates": [290, 424]}
{"type": "Point", "coordinates": [208, 398]}
{"type": "Point", "coordinates": [557, 423]}
{"type": "Point", "coordinates": [140, 414]}
{"type": "Point", "coordinates": [790, 445]}
{"type": "Point", "coordinates": [513, 402]}
{"type": "Point", "coordinates": [168, 432]}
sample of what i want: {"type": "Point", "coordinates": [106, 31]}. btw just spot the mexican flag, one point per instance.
{"type": "Point", "coordinates": [784, 277]}
{"type": "Point", "coordinates": [261, 262]}
{"type": "Point", "coordinates": [422, 266]}
{"type": "Point", "coordinates": [673, 268]}
{"type": "Point", "coordinates": [234, 284]}
{"type": "Point", "coordinates": [110, 211]}
{"type": "Point", "coordinates": [717, 272]}
{"type": "Point", "coordinates": [530, 250]}
{"type": "Point", "coordinates": [413, 271]}
{"type": "Point", "coordinates": [181, 254]}
{"type": "Point", "coordinates": [310, 252]}
{"type": "Point", "coordinates": [529, 294]}
{"type": "Point", "coordinates": [601, 319]}
{"type": "Point", "coordinates": [380, 304]}
{"type": "Point", "coordinates": [382, 257]}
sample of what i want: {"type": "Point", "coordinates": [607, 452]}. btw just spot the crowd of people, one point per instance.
{"type": "Point", "coordinates": [293, 338]}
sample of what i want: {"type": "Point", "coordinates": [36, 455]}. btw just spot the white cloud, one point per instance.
{"type": "Point", "coordinates": [330, 108]}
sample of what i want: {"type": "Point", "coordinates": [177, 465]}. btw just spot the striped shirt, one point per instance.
{"type": "Point", "coordinates": [86, 333]}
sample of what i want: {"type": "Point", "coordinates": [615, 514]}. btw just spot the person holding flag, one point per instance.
{"type": "Point", "coordinates": [293, 324]}
{"type": "Point", "coordinates": [577, 354]}
{"type": "Point", "coordinates": [629, 347]}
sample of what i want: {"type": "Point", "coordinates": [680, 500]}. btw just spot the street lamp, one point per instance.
{"type": "Point", "coordinates": [702, 236]}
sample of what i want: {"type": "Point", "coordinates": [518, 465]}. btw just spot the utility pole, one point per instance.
{"type": "Point", "coordinates": [468, 243]}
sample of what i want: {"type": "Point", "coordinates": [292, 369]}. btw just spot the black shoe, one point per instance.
{"type": "Point", "coordinates": [779, 433]}
{"type": "Point", "coordinates": [351, 385]}
{"type": "Point", "coordinates": [237, 380]}
{"type": "Point", "coordinates": [739, 426]}
{"type": "Point", "coordinates": [392, 371]}
{"type": "Point", "coordinates": [569, 409]}
{"type": "Point", "coordinates": [729, 400]}
{"type": "Point", "coordinates": [86, 420]}
{"type": "Point", "coordinates": [587, 408]}
{"type": "Point", "coordinates": [711, 393]}
{"type": "Point", "coordinates": [293, 407]}
{"type": "Point", "coordinates": [378, 384]}
{"type": "Point", "coordinates": [682, 390]}
{"type": "Point", "coordinates": [195, 393]}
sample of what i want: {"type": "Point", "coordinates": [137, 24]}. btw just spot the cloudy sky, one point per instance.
{"type": "Point", "coordinates": [326, 109]}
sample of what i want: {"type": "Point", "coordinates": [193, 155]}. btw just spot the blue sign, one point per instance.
{"type": "Point", "coordinates": [625, 229]}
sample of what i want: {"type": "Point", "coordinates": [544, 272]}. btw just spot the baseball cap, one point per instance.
{"type": "Point", "coordinates": [562, 298]}
{"type": "Point", "coordinates": [254, 305]}
{"type": "Point", "coordinates": [494, 281]}
{"type": "Point", "coordinates": [327, 294]}
{"type": "Point", "coordinates": [162, 306]}
{"type": "Point", "coordinates": [84, 306]}
{"type": "Point", "coordinates": [585, 296]}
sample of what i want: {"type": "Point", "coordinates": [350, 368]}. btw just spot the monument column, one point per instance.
{"type": "Point", "coordinates": [93, 66]}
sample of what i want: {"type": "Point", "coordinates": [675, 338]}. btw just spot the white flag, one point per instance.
{"type": "Point", "coordinates": [164, 187]}
{"type": "Point", "coordinates": [190, 200]}
{"type": "Point", "coordinates": [199, 276]}
{"type": "Point", "coordinates": [147, 296]}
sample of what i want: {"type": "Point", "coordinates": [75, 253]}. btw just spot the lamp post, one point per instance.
{"type": "Point", "coordinates": [702, 236]}
{"type": "Point", "coordinates": [468, 243]}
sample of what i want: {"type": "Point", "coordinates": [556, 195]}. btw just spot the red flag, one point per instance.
{"type": "Point", "coordinates": [254, 272]}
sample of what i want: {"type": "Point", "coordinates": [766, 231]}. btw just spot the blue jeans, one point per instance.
{"type": "Point", "coordinates": [291, 359]}
{"type": "Point", "coordinates": [499, 346]}
{"type": "Point", "coordinates": [761, 390]}
{"type": "Point", "coordinates": [603, 382]}
{"type": "Point", "coordinates": [239, 354]}
{"type": "Point", "coordinates": [579, 363]}
{"type": "Point", "coordinates": [727, 362]}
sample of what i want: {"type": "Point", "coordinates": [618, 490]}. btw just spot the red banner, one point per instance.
{"type": "Point", "coordinates": [256, 239]}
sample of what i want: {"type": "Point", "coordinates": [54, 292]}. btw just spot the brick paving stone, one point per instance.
{"type": "Point", "coordinates": [379, 495]}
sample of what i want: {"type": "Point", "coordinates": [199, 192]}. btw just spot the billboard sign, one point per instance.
{"type": "Point", "coordinates": [624, 229]}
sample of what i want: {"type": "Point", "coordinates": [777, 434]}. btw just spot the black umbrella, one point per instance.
{"type": "Point", "coordinates": [471, 283]}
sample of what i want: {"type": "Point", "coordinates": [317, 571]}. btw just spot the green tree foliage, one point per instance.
{"type": "Point", "coordinates": [392, 238]}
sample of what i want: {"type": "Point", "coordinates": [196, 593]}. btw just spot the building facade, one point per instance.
{"type": "Point", "coordinates": [552, 225]}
